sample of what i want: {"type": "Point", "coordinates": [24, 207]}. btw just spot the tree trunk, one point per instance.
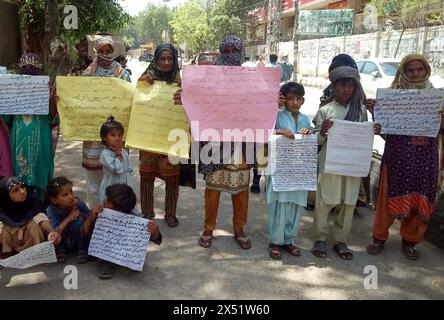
{"type": "Point", "coordinates": [399, 41]}
{"type": "Point", "coordinates": [51, 34]}
{"type": "Point", "coordinates": [295, 40]}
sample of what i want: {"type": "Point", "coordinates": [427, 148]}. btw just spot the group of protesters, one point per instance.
{"type": "Point", "coordinates": [36, 206]}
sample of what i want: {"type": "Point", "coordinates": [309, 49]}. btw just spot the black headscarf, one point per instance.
{"type": "Point", "coordinates": [227, 59]}
{"type": "Point", "coordinates": [153, 69]}
{"type": "Point", "coordinates": [17, 214]}
{"type": "Point", "coordinates": [230, 59]}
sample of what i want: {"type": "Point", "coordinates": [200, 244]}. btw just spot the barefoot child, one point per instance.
{"type": "Point", "coordinates": [121, 198]}
{"type": "Point", "coordinates": [70, 217]}
{"type": "Point", "coordinates": [23, 218]}
{"type": "Point", "coordinates": [285, 208]}
{"type": "Point", "coordinates": [114, 158]}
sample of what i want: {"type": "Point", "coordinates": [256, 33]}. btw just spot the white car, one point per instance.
{"type": "Point", "coordinates": [380, 73]}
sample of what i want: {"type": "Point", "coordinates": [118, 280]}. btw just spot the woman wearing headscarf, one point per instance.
{"type": "Point", "coordinates": [23, 219]}
{"type": "Point", "coordinates": [409, 173]}
{"type": "Point", "coordinates": [103, 65]}
{"type": "Point", "coordinates": [231, 178]}
{"type": "Point", "coordinates": [337, 191]}
{"type": "Point", "coordinates": [31, 138]}
{"type": "Point", "coordinates": [163, 67]}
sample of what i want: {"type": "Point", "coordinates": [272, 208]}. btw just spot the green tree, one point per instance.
{"type": "Point", "coordinates": [93, 16]}
{"type": "Point", "coordinates": [201, 24]}
{"type": "Point", "coordinates": [190, 26]}
{"type": "Point", "coordinates": [153, 23]}
{"type": "Point", "coordinates": [407, 13]}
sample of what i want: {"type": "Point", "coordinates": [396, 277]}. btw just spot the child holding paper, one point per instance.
{"type": "Point", "coordinates": [70, 217]}
{"type": "Point", "coordinates": [285, 208]}
{"type": "Point", "coordinates": [337, 191]}
{"type": "Point", "coordinates": [121, 198]}
{"type": "Point", "coordinates": [23, 218]}
{"type": "Point", "coordinates": [114, 158]}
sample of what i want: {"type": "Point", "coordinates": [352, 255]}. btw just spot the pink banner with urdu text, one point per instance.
{"type": "Point", "coordinates": [225, 103]}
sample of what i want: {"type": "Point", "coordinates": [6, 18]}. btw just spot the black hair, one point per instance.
{"type": "Point", "coordinates": [53, 188]}
{"type": "Point", "coordinates": [108, 126]}
{"type": "Point", "coordinates": [119, 58]}
{"type": "Point", "coordinates": [122, 197]}
{"type": "Point", "coordinates": [247, 58]}
{"type": "Point", "coordinates": [273, 58]}
{"type": "Point", "coordinates": [294, 88]}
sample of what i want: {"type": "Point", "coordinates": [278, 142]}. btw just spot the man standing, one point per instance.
{"type": "Point", "coordinates": [274, 64]}
{"type": "Point", "coordinates": [286, 68]}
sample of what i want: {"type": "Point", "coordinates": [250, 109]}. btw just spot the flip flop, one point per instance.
{"type": "Point", "coordinates": [275, 252]}
{"type": "Point", "coordinates": [410, 251]}
{"type": "Point", "coordinates": [319, 249]}
{"type": "Point", "coordinates": [205, 241]}
{"type": "Point", "coordinates": [375, 247]}
{"type": "Point", "coordinates": [292, 249]}
{"type": "Point", "coordinates": [243, 242]}
{"type": "Point", "coordinates": [172, 222]}
{"type": "Point", "coordinates": [343, 251]}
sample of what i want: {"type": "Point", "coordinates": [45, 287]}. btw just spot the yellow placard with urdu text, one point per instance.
{"type": "Point", "coordinates": [85, 103]}
{"type": "Point", "coordinates": [154, 116]}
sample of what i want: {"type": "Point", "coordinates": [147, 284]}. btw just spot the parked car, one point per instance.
{"type": "Point", "coordinates": [377, 73]}
{"type": "Point", "coordinates": [380, 73]}
{"type": "Point", "coordinates": [207, 57]}
{"type": "Point", "coordinates": [146, 57]}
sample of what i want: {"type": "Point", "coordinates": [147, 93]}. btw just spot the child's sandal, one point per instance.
{"type": "Point", "coordinates": [275, 252]}
{"type": "Point", "coordinates": [61, 255]}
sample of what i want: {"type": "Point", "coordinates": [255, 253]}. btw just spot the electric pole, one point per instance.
{"type": "Point", "coordinates": [295, 40]}
{"type": "Point", "coordinates": [273, 26]}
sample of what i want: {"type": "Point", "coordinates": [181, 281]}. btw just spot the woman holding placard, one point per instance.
{"type": "Point", "coordinates": [103, 65]}
{"type": "Point", "coordinates": [31, 138]}
{"type": "Point", "coordinates": [164, 67]}
{"type": "Point", "coordinates": [409, 173]}
{"type": "Point", "coordinates": [228, 177]}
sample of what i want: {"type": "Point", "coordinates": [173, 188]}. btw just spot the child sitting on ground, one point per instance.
{"type": "Point", "coordinates": [70, 217]}
{"type": "Point", "coordinates": [121, 197]}
{"type": "Point", "coordinates": [23, 218]}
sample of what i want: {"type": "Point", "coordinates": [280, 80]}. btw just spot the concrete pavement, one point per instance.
{"type": "Point", "coordinates": [181, 269]}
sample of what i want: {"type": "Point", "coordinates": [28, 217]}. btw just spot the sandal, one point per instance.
{"type": "Point", "coordinates": [292, 249]}
{"type": "Point", "coordinates": [275, 252]}
{"type": "Point", "coordinates": [205, 241]}
{"type": "Point", "coordinates": [82, 256]}
{"type": "Point", "coordinates": [343, 251]}
{"type": "Point", "coordinates": [410, 251]}
{"type": "Point", "coordinates": [243, 242]}
{"type": "Point", "coordinates": [172, 222]}
{"type": "Point", "coordinates": [149, 216]}
{"type": "Point", "coordinates": [105, 270]}
{"type": "Point", "coordinates": [375, 247]}
{"type": "Point", "coordinates": [319, 249]}
{"type": "Point", "coordinates": [61, 255]}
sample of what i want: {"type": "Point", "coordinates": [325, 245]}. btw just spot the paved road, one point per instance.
{"type": "Point", "coordinates": [181, 269]}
